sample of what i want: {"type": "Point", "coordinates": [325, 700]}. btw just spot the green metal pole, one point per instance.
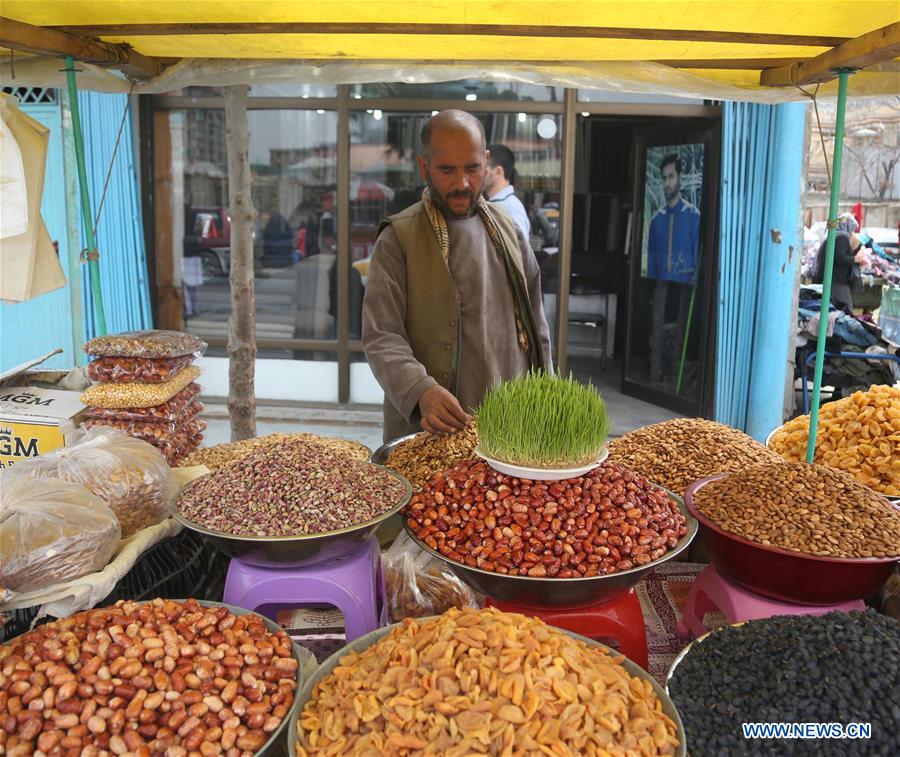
{"type": "Point", "coordinates": [87, 218]}
{"type": "Point", "coordinates": [843, 76]}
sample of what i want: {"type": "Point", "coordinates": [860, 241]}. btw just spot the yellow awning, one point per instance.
{"type": "Point", "coordinates": [727, 40]}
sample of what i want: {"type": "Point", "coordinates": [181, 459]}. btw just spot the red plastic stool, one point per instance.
{"type": "Point", "coordinates": [620, 619]}
{"type": "Point", "coordinates": [712, 592]}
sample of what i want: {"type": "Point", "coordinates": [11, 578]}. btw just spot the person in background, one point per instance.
{"type": "Point", "coordinates": [453, 299]}
{"type": "Point", "coordinates": [847, 256]}
{"type": "Point", "coordinates": [499, 189]}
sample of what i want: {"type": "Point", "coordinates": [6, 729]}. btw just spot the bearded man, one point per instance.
{"type": "Point", "coordinates": [453, 300]}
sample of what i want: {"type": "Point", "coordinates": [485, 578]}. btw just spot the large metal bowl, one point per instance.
{"type": "Point", "coordinates": [559, 592]}
{"type": "Point", "coordinates": [276, 745]}
{"type": "Point", "coordinates": [273, 551]}
{"type": "Point", "coordinates": [392, 526]}
{"type": "Point", "coordinates": [364, 642]}
{"type": "Point", "coordinates": [380, 455]}
{"type": "Point", "coordinates": [787, 576]}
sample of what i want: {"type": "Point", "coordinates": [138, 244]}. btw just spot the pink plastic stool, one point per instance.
{"type": "Point", "coordinates": [351, 582]}
{"type": "Point", "coordinates": [711, 592]}
{"type": "Point", "coordinates": [620, 619]}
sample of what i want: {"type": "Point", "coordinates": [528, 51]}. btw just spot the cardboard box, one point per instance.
{"type": "Point", "coordinates": [37, 409]}
{"type": "Point", "coordinates": [34, 421]}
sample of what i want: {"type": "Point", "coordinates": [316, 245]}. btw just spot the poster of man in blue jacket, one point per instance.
{"type": "Point", "coordinates": [671, 253]}
{"type": "Point", "coordinates": [673, 238]}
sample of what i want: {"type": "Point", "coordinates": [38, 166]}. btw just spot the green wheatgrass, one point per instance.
{"type": "Point", "coordinates": [542, 420]}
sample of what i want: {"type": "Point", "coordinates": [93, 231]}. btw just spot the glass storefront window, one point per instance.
{"type": "Point", "coordinates": [466, 89]}
{"type": "Point", "coordinates": [384, 179]}
{"type": "Point", "coordinates": [293, 156]}
{"type": "Point", "coordinates": [288, 89]}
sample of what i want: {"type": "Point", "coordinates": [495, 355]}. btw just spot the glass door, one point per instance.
{"type": "Point", "coordinates": [670, 329]}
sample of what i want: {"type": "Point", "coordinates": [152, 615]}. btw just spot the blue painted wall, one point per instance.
{"type": "Point", "coordinates": [120, 232]}
{"type": "Point", "coordinates": [762, 148]}
{"type": "Point", "coordinates": [35, 327]}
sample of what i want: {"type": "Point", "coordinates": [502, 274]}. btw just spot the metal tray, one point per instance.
{"type": "Point", "coordinates": [559, 592]}
{"type": "Point", "coordinates": [363, 642]}
{"type": "Point", "coordinates": [380, 455]}
{"type": "Point", "coordinates": [267, 551]}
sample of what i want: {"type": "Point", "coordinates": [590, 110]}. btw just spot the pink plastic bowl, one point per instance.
{"type": "Point", "coordinates": [787, 576]}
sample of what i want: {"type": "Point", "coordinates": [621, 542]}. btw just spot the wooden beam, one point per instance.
{"type": "Point", "coordinates": [875, 47]}
{"type": "Point", "coordinates": [751, 64]}
{"type": "Point", "coordinates": [16, 35]}
{"type": "Point", "coordinates": [481, 30]}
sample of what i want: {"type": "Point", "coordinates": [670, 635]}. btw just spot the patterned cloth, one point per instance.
{"type": "Point", "coordinates": [663, 595]}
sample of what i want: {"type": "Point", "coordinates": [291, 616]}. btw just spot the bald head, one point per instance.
{"type": "Point", "coordinates": [453, 161]}
{"type": "Point", "coordinates": [452, 123]}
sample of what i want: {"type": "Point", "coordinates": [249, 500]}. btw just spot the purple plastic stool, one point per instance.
{"type": "Point", "coordinates": [712, 592]}
{"type": "Point", "coordinates": [351, 582]}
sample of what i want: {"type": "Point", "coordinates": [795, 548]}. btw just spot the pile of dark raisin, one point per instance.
{"type": "Point", "coordinates": [835, 668]}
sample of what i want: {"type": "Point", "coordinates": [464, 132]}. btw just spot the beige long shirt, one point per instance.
{"type": "Point", "coordinates": [489, 350]}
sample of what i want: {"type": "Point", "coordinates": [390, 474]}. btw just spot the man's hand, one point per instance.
{"type": "Point", "coordinates": [441, 411]}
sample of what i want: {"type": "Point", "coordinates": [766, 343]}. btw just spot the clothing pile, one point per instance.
{"type": "Point", "coordinates": [846, 333]}
{"type": "Point", "coordinates": [876, 263]}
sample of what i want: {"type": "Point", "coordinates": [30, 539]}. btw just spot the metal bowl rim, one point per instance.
{"type": "Point", "coordinates": [683, 543]}
{"type": "Point", "coordinates": [404, 501]}
{"type": "Point", "coordinates": [389, 447]}
{"type": "Point", "coordinates": [717, 529]}
{"type": "Point", "coordinates": [684, 652]}
{"type": "Point", "coordinates": [304, 695]}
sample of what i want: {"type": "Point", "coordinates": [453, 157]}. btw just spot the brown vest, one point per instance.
{"type": "Point", "coordinates": [433, 303]}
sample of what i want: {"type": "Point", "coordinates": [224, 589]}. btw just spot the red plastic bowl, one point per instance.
{"type": "Point", "coordinates": [787, 576]}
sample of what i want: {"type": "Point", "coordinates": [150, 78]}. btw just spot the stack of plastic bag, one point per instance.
{"type": "Point", "coordinates": [146, 388]}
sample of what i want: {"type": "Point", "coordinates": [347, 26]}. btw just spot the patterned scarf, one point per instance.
{"type": "Point", "coordinates": [526, 338]}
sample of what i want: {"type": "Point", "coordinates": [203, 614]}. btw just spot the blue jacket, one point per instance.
{"type": "Point", "coordinates": [678, 263]}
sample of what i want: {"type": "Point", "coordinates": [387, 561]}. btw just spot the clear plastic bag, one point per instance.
{"type": "Point", "coordinates": [153, 344]}
{"type": "Point", "coordinates": [418, 584]}
{"type": "Point", "coordinates": [129, 475]}
{"type": "Point", "coordinates": [176, 432]}
{"type": "Point", "coordinates": [51, 531]}
{"type": "Point", "coordinates": [181, 405]}
{"type": "Point", "coordinates": [146, 370]}
{"type": "Point", "coordinates": [139, 395]}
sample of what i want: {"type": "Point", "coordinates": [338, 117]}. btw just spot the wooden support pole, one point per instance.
{"type": "Point", "coordinates": [875, 47]}
{"type": "Point", "coordinates": [170, 295]}
{"type": "Point", "coordinates": [40, 40]}
{"type": "Point", "coordinates": [242, 325]}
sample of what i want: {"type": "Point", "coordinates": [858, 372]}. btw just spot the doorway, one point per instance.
{"type": "Point", "coordinates": [621, 319]}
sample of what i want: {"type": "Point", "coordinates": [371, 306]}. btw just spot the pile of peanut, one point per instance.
{"type": "Point", "coordinates": [220, 454]}
{"type": "Point", "coordinates": [859, 434]}
{"type": "Point", "coordinates": [163, 677]}
{"type": "Point", "coordinates": [812, 509]}
{"type": "Point", "coordinates": [483, 682]}
{"type": "Point", "coordinates": [606, 521]}
{"type": "Point", "coordinates": [676, 453]}
{"type": "Point", "coordinates": [419, 458]}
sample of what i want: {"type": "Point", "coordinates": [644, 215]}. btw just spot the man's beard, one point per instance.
{"type": "Point", "coordinates": [673, 194]}
{"type": "Point", "coordinates": [441, 203]}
